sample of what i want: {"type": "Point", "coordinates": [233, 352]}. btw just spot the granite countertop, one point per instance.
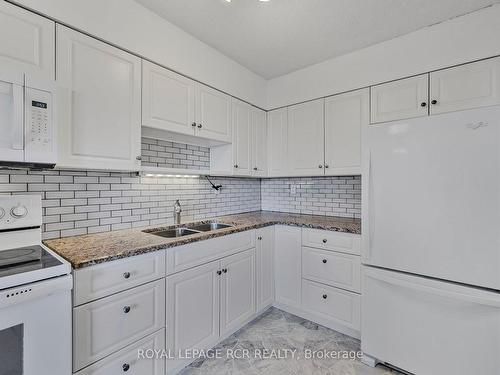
{"type": "Point", "coordinates": [87, 250]}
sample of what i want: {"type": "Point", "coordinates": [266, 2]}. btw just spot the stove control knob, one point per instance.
{"type": "Point", "coordinates": [2, 212]}
{"type": "Point", "coordinates": [18, 212]}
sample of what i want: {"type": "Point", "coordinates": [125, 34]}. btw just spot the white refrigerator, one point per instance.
{"type": "Point", "coordinates": [431, 243]}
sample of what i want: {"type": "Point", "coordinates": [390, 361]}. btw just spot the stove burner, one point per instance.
{"type": "Point", "coordinates": [20, 255]}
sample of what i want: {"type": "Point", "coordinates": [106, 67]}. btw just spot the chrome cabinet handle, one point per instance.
{"type": "Point", "coordinates": [255, 168]}
{"type": "Point", "coordinates": [126, 275]}
{"type": "Point", "coordinates": [325, 296]}
{"type": "Point", "coordinates": [320, 166]}
{"type": "Point", "coordinates": [193, 124]}
{"type": "Point", "coordinates": [325, 240]}
{"type": "Point", "coordinates": [324, 261]}
{"type": "Point", "coordinates": [327, 166]}
{"type": "Point", "coordinates": [125, 367]}
{"type": "Point", "coordinates": [236, 165]}
{"type": "Point", "coordinates": [224, 270]}
{"type": "Point", "coordinates": [434, 102]}
{"type": "Point", "coordinates": [126, 309]}
{"type": "Point", "coordinates": [423, 104]}
{"type": "Point", "coordinates": [200, 126]}
{"type": "Point", "coordinates": [219, 273]}
{"type": "Point", "coordinates": [259, 238]}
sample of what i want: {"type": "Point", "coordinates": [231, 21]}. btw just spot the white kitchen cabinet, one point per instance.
{"type": "Point", "coordinates": [98, 104]}
{"type": "Point", "coordinates": [104, 326]}
{"type": "Point", "coordinates": [242, 137]}
{"type": "Point", "coordinates": [193, 306]}
{"type": "Point", "coordinates": [306, 123]}
{"type": "Point", "coordinates": [264, 249]}
{"type": "Point", "coordinates": [277, 130]}
{"type": "Point", "coordinates": [465, 87]}
{"type": "Point", "coordinates": [238, 295]}
{"type": "Point", "coordinates": [401, 99]}
{"type": "Point", "coordinates": [213, 114]}
{"type": "Point", "coordinates": [259, 143]}
{"type": "Point", "coordinates": [27, 45]}
{"type": "Point", "coordinates": [167, 100]}
{"type": "Point", "coordinates": [345, 115]}
{"type": "Point", "coordinates": [288, 266]}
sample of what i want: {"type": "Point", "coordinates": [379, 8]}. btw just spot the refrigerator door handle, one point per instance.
{"type": "Point", "coordinates": [495, 303]}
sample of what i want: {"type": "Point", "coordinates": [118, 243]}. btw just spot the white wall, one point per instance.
{"type": "Point", "coordinates": [134, 28]}
{"type": "Point", "coordinates": [463, 39]}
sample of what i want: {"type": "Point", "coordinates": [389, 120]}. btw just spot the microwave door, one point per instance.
{"type": "Point", "coordinates": [11, 122]}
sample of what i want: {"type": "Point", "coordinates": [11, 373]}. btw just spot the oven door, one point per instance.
{"type": "Point", "coordinates": [35, 328]}
{"type": "Point", "coordinates": [11, 122]}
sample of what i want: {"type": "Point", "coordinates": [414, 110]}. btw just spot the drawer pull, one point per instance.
{"type": "Point", "coordinates": [126, 275]}
{"type": "Point", "coordinates": [125, 367]}
{"type": "Point", "coordinates": [325, 296]}
{"type": "Point", "coordinates": [219, 273]}
{"type": "Point", "coordinates": [126, 309]}
{"type": "Point", "coordinates": [325, 240]}
{"type": "Point", "coordinates": [324, 260]}
{"type": "Point", "coordinates": [224, 270]}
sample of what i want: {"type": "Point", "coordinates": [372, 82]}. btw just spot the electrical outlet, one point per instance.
{"type": "Point", "coordinates": [293, 189]}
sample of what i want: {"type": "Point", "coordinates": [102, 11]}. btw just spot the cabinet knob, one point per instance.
{"type": "Point", "coordinates": [193, 124]}
{"type": "Point", "coordinates": [325, 240]}
{"type": "Point", "coordinates": [255, 168]}
{"type": "Point", "coordinates": [324, 260]}
{"type": "Point", "coordinates": [259, 238]}
{"type": "Point", "coordinates": [423, 104]}
{"type": "Point", "coordinates": [219, 273]}
{"type": "Point", "coordinates": [325, 296]}
{"type": "Point", "coordinates": [320, 166]}
{"type": "Point", "coordinates": [200, 126]}
{"type": "Point", "coordinates": [236, 165]}
{"type": "Point", "coordinates": [126, 275]}
{"type": "Point", "coordinates": [327, 166]}
{"type": "Point", "coordinates": [224, 270]}
{"type": "Point", "coordinates": [138, 157]}
{"type": "Point", "coordinates": [434, 102]}
{"type": "Point", "coordinates": [126, 309]}
{"type": "Point", "coordinates": [125, 367]}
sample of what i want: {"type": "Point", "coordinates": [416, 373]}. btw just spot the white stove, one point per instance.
{"type": "Point", "coordinates": [35, 294]}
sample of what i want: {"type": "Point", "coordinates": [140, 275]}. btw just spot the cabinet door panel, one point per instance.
{"type": "Point", "coordinates": [237, 290]}
{"type": "Point", "coordinates": [345, 115]}
{"type": "Point", "coordinates": [288, 265]}
{"type": "Point", "coordinates": [167, 99]}
{"type": "Point", "coordinates": [98, 104]}
{"type": "Point", "coordinates": [259, 143]}
{"type": "Point", "coordinates": [27, 42]}
{"type": "Point", "coordinates": [400, 99]}
{"type": "Point", "coordinates": [241, 138]}
{"type": "Point", "coordinates": [213, 113]}
{"type": "Point", "coordinates": [192, 310]}
{"type": "Point", "coordinates": [265, 267]}
{"type": "Point", "coordinates": [277, 142]}
{"type": "Point", "coordinates": [465, 87]}
{"type": "Point", "coordinates": [306, 138]}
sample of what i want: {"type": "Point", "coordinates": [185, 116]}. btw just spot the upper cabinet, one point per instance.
{"type": "Point", "coordinates": [277, 130]}
{"type": "Point", "coordinates": [405, 98]}
{"type": "Point", "coordinates": [465, 87]}
{"type": "Point", "coordinates": [345, 115]}
{"type": "Point", "coordinates": [99, 104]}
{"type": "Point", "coordinates": [242, 136]}
{"type": "Point", "coordinates": [167, 100]}
{"type": "Point", "coordinates": [176, 104]}
{"type": "Point", "coordinates": [259, 143]}
{"type": "Point", "coordinates": [27, 44]}
{"type": "Point", "coordinates": [306, 139]}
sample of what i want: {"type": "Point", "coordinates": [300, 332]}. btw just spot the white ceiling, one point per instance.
{"type": "Point", "coordinates": [277, 37]}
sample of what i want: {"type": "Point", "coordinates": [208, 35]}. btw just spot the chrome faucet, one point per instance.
{"type": "Point", "coordinates": [177, 212]}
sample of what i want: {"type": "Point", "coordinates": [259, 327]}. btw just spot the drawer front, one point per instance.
{"type": "Point", "coordinates": [331, 303]}
{"type": "Point", "coordinates": [105, 279]}
{"type": "Point", "coordinates": [328, 267]}
{"type": "Point", "coordinates": [132, 360]}
{"type": "Point", "coordinates": [330, 240]}
{"type": "Point", "coordinates": [191, 255]}
{"type": "Point", "coordinates": [105, 326]}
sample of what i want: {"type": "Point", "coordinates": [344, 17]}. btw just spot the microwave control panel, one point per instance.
{"type": "Point", "coordinates": [39, 129]}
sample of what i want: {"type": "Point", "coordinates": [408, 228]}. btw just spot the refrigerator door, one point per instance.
{"type": "Point", "coordinates": [426, 326]}
{"type": "Point", "coordinates": [431, 196]}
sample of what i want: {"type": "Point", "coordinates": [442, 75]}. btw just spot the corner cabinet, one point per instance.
{"type": "Point", "coordinates": [98, 104]}
{"type": "Point", "coordinates": [277, 132]}
{"type": "Point", "coordinates": [242, 137]}
{"type": "Point", "coordinates": [259, 143]}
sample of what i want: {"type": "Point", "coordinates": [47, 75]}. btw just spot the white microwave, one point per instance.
{"type": "Point", "coordinates": [27, 134]}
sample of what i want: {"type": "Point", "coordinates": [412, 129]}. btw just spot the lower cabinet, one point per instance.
{"type": "Point", "coordinates": [134, 359]}
{"type": "Point", "coordinates": [264, 247]}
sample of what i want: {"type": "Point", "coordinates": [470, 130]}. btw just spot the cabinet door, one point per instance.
{"type": "Point", "coordinates": [259, 143]}
{"type": "Point", "coordinates": [306, 138]}
{"type": "Point", "coordinates": [277, 142]}
{"type": "Point", "coordinates": [241, 138]}
{"type": "Point", "coordinates": [405, 98]}
{"type": "Point", "coordinates": [213, 114]}
{"type": "Point", "coordinates": [287, 261]}
{"type": "Point", "coordinates": [27, 45]}
{"type": "Point", "coordinates": [237, 290]}
{"type": "Point", "coordinates": [167, 100]}
{"type": "Point", "coordinates": [192, 310]}
{"type": "Point", "coordinates": [465, 87]}
{"type": "Point", "coordinates": [99, 104]}
{"type": "Point", "coordinates": [265, 267]}
{"type": "Point", "coordinates": [345, 114]}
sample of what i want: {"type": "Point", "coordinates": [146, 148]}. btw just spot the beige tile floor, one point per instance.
{"type": "Point", "coordinates": [276, 329]}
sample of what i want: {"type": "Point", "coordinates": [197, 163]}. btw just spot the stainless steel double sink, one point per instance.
{"type": "Point", "coordinates": [189, 230]}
